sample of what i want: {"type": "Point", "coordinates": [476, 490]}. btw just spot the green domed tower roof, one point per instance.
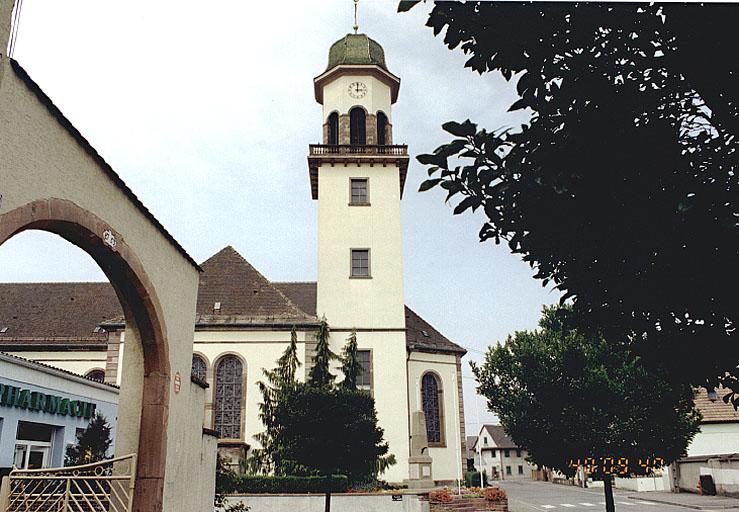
{"type": "Point", "coordinates": [356, 49]}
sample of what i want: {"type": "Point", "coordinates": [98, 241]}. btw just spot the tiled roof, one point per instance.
{"type": "Point", "coordinates": [242, 294]}
{"type": "Point", "coordinates": [718, 411]}
{"type": "Point", "coordinates": [420, 335]}
{"type": "Point", "coordinates": [231, 293]}
{"type": "Point", "coordinates": [53, 313]}
{"type": "Point", "coordinates": [500, 438]}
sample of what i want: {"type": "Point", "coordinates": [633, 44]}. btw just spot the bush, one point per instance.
{"type": "Point", "coordinates": [494, 494]}
{"type": "Point", "coordinates": [261, 484]}
{"type": "Point", "coordinates": [472, 478]}
{"type": "Point", "coordinates": [441, 496]}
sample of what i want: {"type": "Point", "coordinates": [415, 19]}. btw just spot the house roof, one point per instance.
{"type": "Point", "coordinates": [419, 335]}
{"type": "Point", "coordinates": [471, 441]}
{"type": "Point", "coordinates": [231, 293]}
{"type": "Point", "coordinates": [500, 438]}
{"type": "Point", "coordinates": [56, 313]}
{"type": "Point", "coordinates": [718, 411]}
{"type": "Point", "coordinates": [23, 75]}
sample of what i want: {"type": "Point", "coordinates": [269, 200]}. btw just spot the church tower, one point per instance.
{"type": "Point", "coordinates": [357, 176]}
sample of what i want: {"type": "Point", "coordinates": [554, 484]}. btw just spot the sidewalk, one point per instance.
{"type": "Point", "coordinates": [688, 500]}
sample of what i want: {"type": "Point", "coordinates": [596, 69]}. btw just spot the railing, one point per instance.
{"type": "Point", "coordinates": [358, 149]}
{"type": "Point", "coordinates": [100, 487]}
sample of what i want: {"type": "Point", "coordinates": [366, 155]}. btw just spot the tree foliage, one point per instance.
{"type": "Point", "coordinates": [320, 374]}
{"type": "Point", "coordinates": [92, 445]}
{"type": "Point", "coordinates": [622, 189]}
{"type": "Point", "coordinates": [562, 396]}
{"type": "Point", "coordinates": [350, 365]}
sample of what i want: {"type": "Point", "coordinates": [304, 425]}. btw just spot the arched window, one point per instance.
{"type": "Point", "coordinates": [381, 127]}
{"type": "Point", "coordinates": [199, 367]}
{"type": "Point", "coordinates": [431, 398]}
{"type": "Point", "coordinates": [357, 126]}
{"type": "Point", "coordinates": [97, 375]}
{"type": "Point", "coordinates": [229, 391]}
{"type": "Point", "coordinates": [333, 128]}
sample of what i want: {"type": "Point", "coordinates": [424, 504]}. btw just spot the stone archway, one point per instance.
{"type": "Point", "coordinates": [51, 179]}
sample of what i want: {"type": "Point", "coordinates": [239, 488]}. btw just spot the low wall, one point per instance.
{"type": "Point", "coordinates": [355, 502]}
{"type": "Point", "coordinates": [723, 468]}
{"type": "Point", "coordinates": [643, 483]}
{"type": "Point", "coordinates": [460, 503]}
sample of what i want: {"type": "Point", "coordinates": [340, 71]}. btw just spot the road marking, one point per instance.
{"type": "Point", "coordinates": [586, 504]}
{"type": "Point", "coordinates": [645, 502]}
{"type": "Point", "coordinates": [568, 505]}
{"type": "Point", "coordinates": [625, 503]}
{"type": "Point", "coordinates": [548, 506]}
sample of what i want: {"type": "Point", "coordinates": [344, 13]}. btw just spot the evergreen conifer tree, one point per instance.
{"type": "Point", "coordinates": [320, 375]}
{"type": "Point", "coordinates": [92, 445]}
{"type": "Point", "coordinates": [350, 366]}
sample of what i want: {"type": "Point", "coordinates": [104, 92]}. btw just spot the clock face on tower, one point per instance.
{"type": "Point", "coordinates": [357, 90]}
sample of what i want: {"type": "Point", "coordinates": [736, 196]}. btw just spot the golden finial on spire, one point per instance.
{"type": "Point", "coordinates": [356, 25]}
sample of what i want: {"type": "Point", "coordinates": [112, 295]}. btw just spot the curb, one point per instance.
{"type": "Point", "coordinates": [684, 505]}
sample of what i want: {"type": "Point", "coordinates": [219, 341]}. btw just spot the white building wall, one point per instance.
{"type": "Point", "coordinates": [447, 460]}
{"type": "Point", "coordinates": [715, 439]}
{"type": "Point", "coordinates": [79, 362]}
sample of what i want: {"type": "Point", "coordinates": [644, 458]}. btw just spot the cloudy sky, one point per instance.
{"type": "Point", "coordinates": [206, 110]}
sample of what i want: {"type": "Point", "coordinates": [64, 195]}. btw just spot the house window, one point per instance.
{"type": "Point", "coordinates": [229, 392]}
{"type": "Point", "coordinates": [507, 453]}
{"type": "Point", "coordinates": [493, 453]}
{"type": "Point", "coordinates": [357, 126]}
{"type": "Point", "coordinates": [364, 379]}
{"type": "Point", "coordinates": [485, 441]}
{"type": "Point", "coordinates": [520, 470]}
{"type": "Point", "coordinates": [381, 128]}
{"type": "Point", "coordinates": [360, 263]}
{"type": "Point", "coordinates": [359, 191]}
{"type": "Point", "coordinates": [508, 470]}
{"type": "Point", "coordinates": [333, 128]}
{"type": "Point", "coordinates": [431, 398]}
{"type": "Point", "coordinates": [96, 375]}
{"type": "Point", "coordinates": [198, 367]}
{"type": "Point", "coordinates": [518, 453]}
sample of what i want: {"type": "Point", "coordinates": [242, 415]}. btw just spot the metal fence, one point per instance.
{"type": "Point", "coordinates": [100, 487]}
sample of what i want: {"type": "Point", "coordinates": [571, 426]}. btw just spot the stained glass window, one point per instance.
{"type": "Point", "coordinates": [364, 379]}
{"type": "Point", "coordinates": [229, 391]}
{"type": "Point", "coordinates": [431, 398]}
{"type": "Point", "coordinates": [198, 367]}
{"type": "Point", "coordinates": [96, 375]}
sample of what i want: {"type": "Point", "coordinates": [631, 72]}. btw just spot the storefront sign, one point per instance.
{"type": "Point", "coordinates": [12, 396]}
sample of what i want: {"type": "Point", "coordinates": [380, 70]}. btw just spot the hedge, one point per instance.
{"type": "Point", "coordinates": [258, 484]}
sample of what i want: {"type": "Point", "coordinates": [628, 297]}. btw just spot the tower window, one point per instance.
{"type": "Point", "coordinates": [97, 375]}
{"type": "Point", "coordinates": [360, 191]}
{"type": "Point", "coordinates": [381, 128]}
{"type": "Point", "coordinates": [199, 367]}
{"type": "Point", "coordinates": [357, 126]}
{"type": "Point", "coordinates": [360, 263]}
{"type": "Point", "coordinates": [333, 128]}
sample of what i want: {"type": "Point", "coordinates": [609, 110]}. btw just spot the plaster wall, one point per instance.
{"type": "Point", "coordinates": [339, 503]}
{"type": "Point", "coordinates": [336, 96]}
{"type": "Point", "coordinates": [79, 362]}
{"type": "Point", "coordinates": [447, 463]}
{"type": "Point", "coordinates": [43, 163]}
{"type": "Point", "coordinates": [375, 302]}
{"type": "Point", "coordinates": [714, 439]}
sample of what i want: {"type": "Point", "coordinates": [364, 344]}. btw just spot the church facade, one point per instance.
{"type": "Point", "coordinates": [244, 321]}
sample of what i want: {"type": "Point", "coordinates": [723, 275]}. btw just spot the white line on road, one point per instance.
{"type": "Point", "coordinates": [548, 506]}
{"type": "Point", "coordinates": [586, 504]}
{"type": "Point", "coordinates": [568, 505]}
{"type": "Point", "coordinates": [625, 503]}
{"type": "Point", "coordinates": [645, 503]}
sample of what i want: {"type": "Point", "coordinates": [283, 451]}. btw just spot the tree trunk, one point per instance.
{"type": "Point", "coordinates": [327, 506]}
{"type": "Point", "coordinates": [608, 489]}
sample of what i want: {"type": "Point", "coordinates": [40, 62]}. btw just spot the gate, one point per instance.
{"type": "Point", "coordinates": [105, 486]}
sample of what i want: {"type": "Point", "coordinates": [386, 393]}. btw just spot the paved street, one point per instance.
{"type": "Point", "coordinates": [528, 495]}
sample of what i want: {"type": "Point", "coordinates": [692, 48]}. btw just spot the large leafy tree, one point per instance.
{"type": "Point", "coordinates": [565, 397]}
{"type": "Point", "coordinates": [623, 188]}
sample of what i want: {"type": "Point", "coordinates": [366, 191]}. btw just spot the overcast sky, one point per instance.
{"type": "Point", "coordinates": [206, 110]}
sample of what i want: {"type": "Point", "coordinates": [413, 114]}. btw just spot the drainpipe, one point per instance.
{"type": "Point", "coordinates": [408, 401]}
